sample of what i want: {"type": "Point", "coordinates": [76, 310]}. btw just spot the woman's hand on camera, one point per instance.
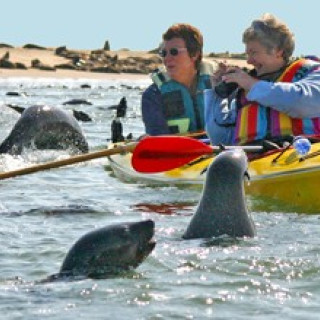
{"type": "Point", "coordinates": [236, 74]}
{"type": "Point", "coordinates": [217, 76]}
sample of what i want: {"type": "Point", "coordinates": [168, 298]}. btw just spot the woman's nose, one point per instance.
{"type": "Point", "coordinates": [250, 60]}
{"type": "Point", "coordinates": [167, 57]}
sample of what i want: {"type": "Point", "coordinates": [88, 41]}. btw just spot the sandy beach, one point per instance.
{"type": "Point", "coordinates": [48, 58]}
{"type": "Point", "coordinates": [60, 74]}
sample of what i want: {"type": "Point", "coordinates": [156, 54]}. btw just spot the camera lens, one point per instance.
{"type": "Point", "coordinates": [224, 89]}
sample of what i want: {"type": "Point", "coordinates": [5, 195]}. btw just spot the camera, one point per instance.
{"type": "Point", "coordinates": [224, 89]}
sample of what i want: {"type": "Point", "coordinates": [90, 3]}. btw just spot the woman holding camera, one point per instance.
{"type": "Point", "coordinates": [173, 104]}
{"type": "Point", "coordinates": [278, 99]}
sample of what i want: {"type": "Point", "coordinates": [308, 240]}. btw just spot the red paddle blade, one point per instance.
{"type": "Point", "coordinates": [163, 153]}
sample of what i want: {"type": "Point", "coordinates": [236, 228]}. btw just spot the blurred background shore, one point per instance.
{"type": "Point", "coordinates": [60, 62]}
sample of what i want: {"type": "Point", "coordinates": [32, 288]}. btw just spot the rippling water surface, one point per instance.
{"type": "Point", "coordinates": [275, 275]}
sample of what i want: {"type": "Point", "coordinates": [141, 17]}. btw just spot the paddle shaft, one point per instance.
{"type": "Point", "coordinates": [193, 134]}
{"type": "Point", "coordinates": [72, 160]}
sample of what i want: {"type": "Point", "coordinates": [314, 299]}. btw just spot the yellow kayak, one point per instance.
{"type": "Point", "coordinates": [191, 173]}
{"type": "Point", "coordinates": [283, 177]}
{"type": "Point", "coordinates": [290, 179]}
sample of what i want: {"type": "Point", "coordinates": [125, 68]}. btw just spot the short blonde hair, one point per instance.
{"type": "Point", "coordinates": [271, 33]}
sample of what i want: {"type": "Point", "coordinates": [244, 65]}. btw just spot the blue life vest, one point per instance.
{"type": "Point", "coordinates": [183, 112]}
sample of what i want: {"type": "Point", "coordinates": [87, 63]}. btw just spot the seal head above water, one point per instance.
{"type": "Point", "coordinates": [108, 251]}
{"type": "Point", "coordinates": [45, 127]}
{"type": "Point", "coordinates": [222, 209]}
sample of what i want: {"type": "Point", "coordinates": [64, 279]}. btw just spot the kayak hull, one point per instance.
{"type": "Point", "coordinates": [190, 174]}
{"type": "Point", "coordinates": [283, 181]}
{"type": "Point", "coordinates": [289, 180]}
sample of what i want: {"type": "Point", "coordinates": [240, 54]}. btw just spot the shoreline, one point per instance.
{"type": "Point", "coordinates": [69, 74]}
{"type": "Point", "coordinates": [18, 62]}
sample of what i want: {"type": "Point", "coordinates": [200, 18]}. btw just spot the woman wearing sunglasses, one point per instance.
{"type": "Point", "coordinates": [277, 100]}
{"type": "Point", "coordinates": [173, 104]}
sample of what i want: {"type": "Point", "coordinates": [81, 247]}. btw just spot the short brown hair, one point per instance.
{"type": "Point", "coordinates": [191, 36]}
{"type": "Point", "coordinates": [271, 33]}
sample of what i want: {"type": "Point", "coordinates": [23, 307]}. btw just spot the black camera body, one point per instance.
{"type": "Point", "coordinates": [224, 89]}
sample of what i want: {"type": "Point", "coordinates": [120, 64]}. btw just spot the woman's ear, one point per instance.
{"type": "Point", "coordinates": [196, 56]}
{"type": "Point", "coordinates": [279, 53]}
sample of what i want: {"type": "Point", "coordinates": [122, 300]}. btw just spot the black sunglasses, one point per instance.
{"type": "Point", "coordinates": [173, 51]}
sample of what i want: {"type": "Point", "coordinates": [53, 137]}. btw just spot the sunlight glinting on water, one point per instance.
{"type": "Point", "coordinates": [275, 274]}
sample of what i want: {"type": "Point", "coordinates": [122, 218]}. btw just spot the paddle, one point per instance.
{"type": "Point", "coordinates": [65, 162]}
{"type": "Point", "coordinates": [162, 153]}
{"type": "Point", "coordinates": [72, 160]}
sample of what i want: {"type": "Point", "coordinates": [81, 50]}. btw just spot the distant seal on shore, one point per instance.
{"type": "Point", "coordinates": [108, 251]}
{"type": "Point", "coordinates": [45, 127]}
{"type": "Point", "coordinates": [222, 208]}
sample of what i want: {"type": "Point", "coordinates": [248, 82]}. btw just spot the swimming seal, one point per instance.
{"type": "Point", "coordinates": [222, 207]}
{"type": "Point", "coordinates": [45, 127]}
{"type": "Point", "coordinates": [108, 251]}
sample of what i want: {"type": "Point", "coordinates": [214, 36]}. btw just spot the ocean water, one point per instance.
{"type": "Point", "coordinates": [275, 275]}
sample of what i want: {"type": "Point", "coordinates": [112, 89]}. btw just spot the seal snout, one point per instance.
{"type": "Point", "coordinates": [144, 233]}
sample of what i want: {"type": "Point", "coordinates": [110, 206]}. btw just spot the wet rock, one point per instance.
{"type": "Point", "coordinates": [37, 64]}
{"type": "Point", "coordinates": [85, 86]}
{"type": "Point", "coordinates": [14, 94]}
{"type": "Point", "coordinates": [106, 69]}
{"type": "Point", "coordinates": [60, 50]}
{"type": "Point", "coordinates": [6, 56]}
{"type": "Point", "coordinates": [7, 64]}
{"type": "Point", "coordinates": [106, 46]}
{"type": "Point", "coordinates": [33, 46]}
{"type": "Point", "coordinates": [77, 101]}
{"type": "Point", "coordinates": [21, 66]}
{"type": "Point", "coordinates": [5, 45]}
{"type": "Point", "coordinates": [67, 66]}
